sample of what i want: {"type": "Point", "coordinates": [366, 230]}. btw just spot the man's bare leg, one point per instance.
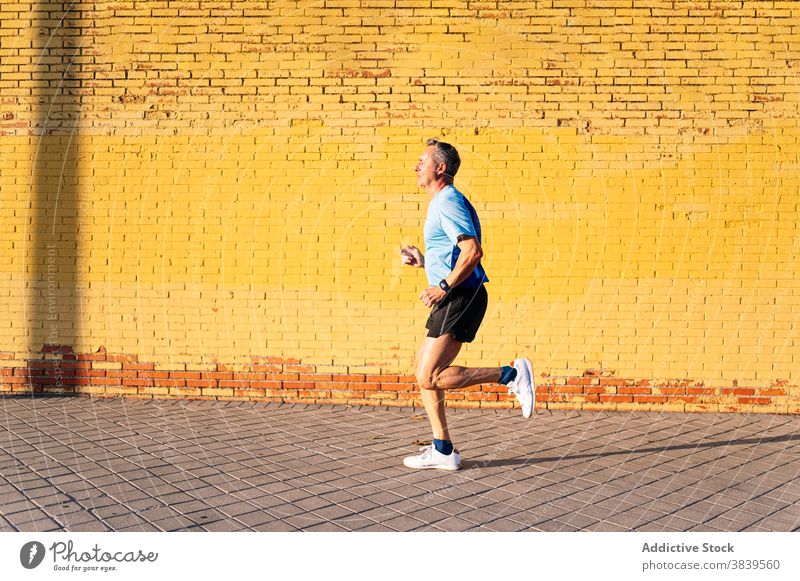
{"type": "Point", "coordinates": [434, 375]}
{"type": "Point", "coordinates": [433, 400]}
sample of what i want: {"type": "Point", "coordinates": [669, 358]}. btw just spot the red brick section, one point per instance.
{"type": "Point", "coordinates": [103, 374]}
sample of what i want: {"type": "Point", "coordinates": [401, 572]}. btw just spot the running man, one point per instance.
{"type": "Point", "coordinates": [458, 299]}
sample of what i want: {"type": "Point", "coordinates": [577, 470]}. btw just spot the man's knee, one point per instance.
{"type": "Point", "coordinates": [427, 380]}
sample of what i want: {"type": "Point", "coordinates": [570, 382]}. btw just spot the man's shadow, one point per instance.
{"type": "Point", "coordinates": [536, 460]}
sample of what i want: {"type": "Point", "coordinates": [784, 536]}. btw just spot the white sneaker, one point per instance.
{"type": "Point", "coordinates": [432, 458]}
{"type": "Point", "coordinates": [523, 387]}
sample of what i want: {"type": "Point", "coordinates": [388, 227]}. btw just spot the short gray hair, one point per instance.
{"type": "Point", "coordinates": [446, 154]}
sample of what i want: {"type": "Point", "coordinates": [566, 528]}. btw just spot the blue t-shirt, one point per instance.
{"type": "Point", "coordinates": [450, 215]}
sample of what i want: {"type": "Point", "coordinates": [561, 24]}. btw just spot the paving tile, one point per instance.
{"type": "Point", "coordinates": [293, 495]}
{"type": "Point", "coordinates": [403, 523]}
{"type": "Point", "coordinates": [145, 503]}
{"type": "Point", "coordinates": [252, 494]}
{"type": "Point", "coordinates": [6, 527]}
{"type": "Point", "coordinates": [333, 511]}
{"type": "Point", "coordinates": [607, 527]}
{"type": "Point", "coordinates": [40, 524]}
{"type": "Point", "coordinates": [157, 514]}
{"type": "Point", "coordinates": [781, 521]}
{"type": "Point", "coordinates": [376, 527]}
{"type": "Point", "coordinates": [138, 528]}
{"type": "Point", "coordinates": [173, 498]}
{"type": "Point", "coordinates": [237, 508]}
{"type": "Point", "coordinates": [189, 507]}
{"type": "Point", "coordinates": [502, 525]}
{"type": "Point", "coordinates": [325, 527]}
{"type": "Point", "coordinates": [352, 522]}
{"type": "Point", "coordinates": [378, 514]}
{"type": "Point", "coordinates": [338, 496]}
{"type": "Point", "coordinates": [384, 498]}
{"type": "Point", "coordinates": [173, 523]}
{"type": "Point", "coordinates": [93, 526]}
{"type": "Point", "coordinates": [359, 505]}
{"type": "Point", "coordinates": [282, 510]}
{"type": "Point", "coordinates": [554, 526]}
{"type": "Point", "coordinates": [206, 516]}
{"type": "Point", "coordinates": [429, 515]}
{"type": "Point", "coordinates": [303, 521]}
{"type": "Point", "coordinates": [742, 516]}
{"type": "Point", "coordinates": [255, 518]}
{"type": "Point", "coordinates": [578, 520]}
{"type": "Point", "coordinates": [223, 526]}
{"type": "Point", "coordinates": [275, 526]}
{"type": "Point", "coordinates": [18, 506]}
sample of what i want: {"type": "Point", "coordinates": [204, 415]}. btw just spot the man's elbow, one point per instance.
{"type": "Point", "coordinates": [472, 251]}
{"type": "Point", "coordinates": [475, 256]}
{"type": "Point", "coordinates": [476, 253]}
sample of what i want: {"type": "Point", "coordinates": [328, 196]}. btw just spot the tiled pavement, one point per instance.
{"type": "Point", "coordinates": [83, 464]}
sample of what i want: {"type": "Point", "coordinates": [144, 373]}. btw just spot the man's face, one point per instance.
{"type": "Point", "coordinates": [426, 168]}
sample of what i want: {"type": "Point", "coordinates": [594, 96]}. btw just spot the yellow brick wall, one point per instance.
{"type": "Point", "coordinates": [197, 183]}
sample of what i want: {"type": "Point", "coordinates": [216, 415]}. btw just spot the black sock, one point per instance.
{"type": "Point", "coordinates": [443, 446]}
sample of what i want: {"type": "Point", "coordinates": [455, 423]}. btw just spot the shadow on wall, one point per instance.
{"type": "Point", "coordinates": [53, 293]}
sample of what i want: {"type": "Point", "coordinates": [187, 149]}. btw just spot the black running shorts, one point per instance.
{"type": "Point", "coordinates": [459, 314]}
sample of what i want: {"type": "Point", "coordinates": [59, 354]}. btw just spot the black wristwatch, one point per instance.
{"type": "Point", "coordinates": [444, 286]}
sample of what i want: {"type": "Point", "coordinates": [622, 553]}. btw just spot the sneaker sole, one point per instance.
{"type": "Point", "coordinates": [450, 468]}
{"type": "Point", "coordinates": [528, 370]}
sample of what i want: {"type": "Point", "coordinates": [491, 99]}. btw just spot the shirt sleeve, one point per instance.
{"type": "Point", "coordinates": [455, 218]}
